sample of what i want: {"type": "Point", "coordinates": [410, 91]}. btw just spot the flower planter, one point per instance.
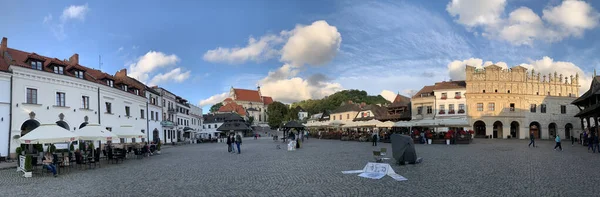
{"type": "Point", "coordinates": [447, 142]}
{"type": "Point", "coordinates": [158, 152]}
{"type": "Point", "coordinates": [27, 175]}
{"type": "Point", "coordinates": [428, 141]}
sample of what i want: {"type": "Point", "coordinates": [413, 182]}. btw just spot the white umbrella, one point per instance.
{"type": "Point", "coordinates": [95, 132]}
{"type": "Point", "coordinates": [48, 133]}
{"type": "Point", "coordinates": [403, 124]}
{"type": "Point", "coordinates": [128, 132]}
{"type": "Point", "coordinates": [386, 124]}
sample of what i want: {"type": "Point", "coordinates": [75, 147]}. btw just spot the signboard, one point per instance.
{"type": "Point", "coordinates": [21, 167]}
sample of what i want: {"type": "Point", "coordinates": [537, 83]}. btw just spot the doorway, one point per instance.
{"type": "Point", "coordinates": [514, 129]}
{"type": "Point", "coordinates": [552, 130]}
{"type": "Point", "coordinates": [498, 130]}
{"type": "Point", "coordinates": [568, 128]}
{"type": "Point", "coordinates": [536, 129]}
{"type": "Point", "coordinates": [479, 127]}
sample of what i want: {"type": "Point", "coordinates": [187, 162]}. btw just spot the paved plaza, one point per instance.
{"type": "Point", "coordinates": [485, 168]}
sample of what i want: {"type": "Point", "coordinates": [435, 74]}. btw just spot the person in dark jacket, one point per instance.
{"type": "Point", "coordinates": [229, 143]}
{"type": "Point", "coordinates": [590, 142]}
{"type": "Point", "coordinates": [531, 139]}
{"type": "Point", "coordinates": [595, 146]}
{"type": "Point", "coordinates": [238, 142]}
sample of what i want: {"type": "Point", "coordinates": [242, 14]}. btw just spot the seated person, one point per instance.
{"type": "Point", "coordinates": [48, 164]}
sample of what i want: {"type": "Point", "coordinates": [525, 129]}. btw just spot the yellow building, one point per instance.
{"type": "Point", "coordinates": [511, 103]}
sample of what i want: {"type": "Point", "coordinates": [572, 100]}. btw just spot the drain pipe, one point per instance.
{"type": "Point", "coordinates": [10, 115]}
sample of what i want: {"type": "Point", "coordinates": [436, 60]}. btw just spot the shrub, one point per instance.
{"type": "Point", "coordinates": [158, 146]}
{"type": "Point", "coordinates": [28, 160]}
{"type": "Point", "coordinates": [51, 148]}
{"type": "Point", "coordinates": [81, 145]}
{"type": "Point", "coordinates": [39, 147]}
{"type": "Point", "coordinates": [72, 147]}
{"type": "Point", "coordinates": [19, 150]}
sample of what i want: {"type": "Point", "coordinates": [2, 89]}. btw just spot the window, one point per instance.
{"type": "Point", "coordinates": [570, 95]}
{"type": "Point", "coordinates": [483, 91]}
{"type": "Point", "coordinates": [461, 108]}
{"type": "Point", "coordinates": [137, 92]}
{"type": "Point", "coordinates": [124, 87]}
{"type": "Point", "coordinates": [532, 108]}
{"type": "Point", "coordinates": [85, 102]}
{"type": "Point", "coordinates": [347, 116]}
{"type": "Point", "coordinates": [59, 69]}
{"type": "Point", "coordinates": [444, 95]}
{"type": "Point", "coordinates": [79, 74]}
{"type": "Point", "coordinates": [491, 106]}
{"type": "Point", "coordinates": [141, 113]}
{"type": "Point", "coordinates": [429, 109]}
{"type": "Point", "coordinates": [442, 107]}
{"type": "Point", "coordinates": [419, 110]}
{"type": "Point", "coordinates": [108, 107]}
{"type": "Point", "coordinates": [340, 116]}
{"type": "Point", "coordinates": [451, 108]}
{"type": "Point", "coordinates": [209, 126]}
{"type": "Point", "coordinates": [512, 107]}
{"type": "Point", "coordinates": [60, 99]}
{"type": "Point", "coordinates": [496, 90]}
{"type": "Point", "coordinates": [508, 91]}
{"type": "Point", "coordinates": [31, 96]}
{"type": "Point", "coordinates": [333, 117]}
{"type": "Point", "coordinates": [156, 115]}
{"type": "Point", "coordinates": [479, 106]}
{"type": "Point", "coordinates": [109, 129]}
{"type": "Point", "coordinates": [163, 101]}
{"type": "Point", "coordinates": [36, 65]}
{"type": "Point", "coordinates": [151, 115]}
{"type": "Point", "coordinates": [457, 95]}
{"type": "Point", "coordinates": [164, 116]}
{"type": "Point", "coordinates": [215, 126]}
{"type": "Point", "coordinates": [110, 83]}
{"type": "Point", "coordinates": [537, 93]}
{"type": "Point", "coordinates": [563, 109]}
{"type": "Point", "coordinates": [543, 108]}
{"type": "Point", "coordinates": [127, 111]}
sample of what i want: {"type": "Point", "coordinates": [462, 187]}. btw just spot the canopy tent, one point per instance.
{"type": "Point", "coordinates": [370, 123]}
{"type": "Point", "coordinates": [403, 124]}
{"type": "Point", "coordinates": [336, 123]}
{"type": "Point", "coordinates": [127, 132]}
{"type": "Point", "coordinates": [425, 123]}
{"type": "Point", "coordinates": [457, 122]}
{"type": "Point", "coordinates": [350, 125]}
{"type": "Point", "coordinates": [48, 133]}
{"type": "Point", "coordinates": [95, 132]}
{"type": "Point", "coordinates": [386, 124]}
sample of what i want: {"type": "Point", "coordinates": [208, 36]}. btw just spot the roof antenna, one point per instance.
{"type": "Point", "coordinates": [100, 62]}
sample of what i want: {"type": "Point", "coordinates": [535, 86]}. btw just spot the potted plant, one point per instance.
{"type": "Point", "coordinates": [51, 148]}
{"type": "Point", "coordinates": [72, 147]}
{"type": "Point", "coordinates": [19, 151]}
{"type": "Point", "coordinates": [28, 167]}
{"type": "Point", "coordinates": [158, 147]}
{"type": "Point", "coordinates": [429, 136]}
{"type": "Point", "coordinates": [448, 136]}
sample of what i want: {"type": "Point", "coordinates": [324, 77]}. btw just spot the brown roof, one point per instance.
{"type": "Point", "coordinates": [267, 100]}
{"type": "Point", "coordinates": [247, 95]}
{"type": "Point", "coordinates": [425, 89]}
{"type": "Point", "coordinates": [3, 65]}
{"type": "Point", "coordinates": [592, 91]}
{"type": "Point", "coordinates": [449, 85]}
{"type": "Point", "coordinates": [346, 107]}
{"type": "Point", "coordinates": [233, 107]}
{"type": "Point", "coordinates": [378, 112]}
{"type": "Point", "coordinates": [228, 99]}
{"type": "Point", "coordinates": [121, 77]}
{"type": "Point", "coordinates": [400, 100]}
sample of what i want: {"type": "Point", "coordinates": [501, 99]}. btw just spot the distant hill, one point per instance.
{"type": "Point", "coordinates": [333, 101]}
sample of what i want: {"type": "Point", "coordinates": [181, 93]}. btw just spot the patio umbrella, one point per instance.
{"type": "Point", "coordinates": [128, 132]}
{"type": "Point", "coordinates": [95, 132]}
{"type": "Point", "coordinates": [48, 133]}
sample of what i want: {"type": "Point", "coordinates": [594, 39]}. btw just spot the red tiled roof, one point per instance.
{"type": "Point", "coordinates": [3, 65]}
{"type": "Point", "coordinates": [247, 95]}
{"type": "Point", "coordinates": [449, 85]}
{"type": "Point", "coordinates": [267, 100]}
{"type": "Point", "coordinates": [400, 101]}
{"type": "Point", "coordinates": [425, 89]}
{"type": "Point", "coordinates": [233, 107]}
{"type": "Point", "coordinates": [228, 99]}
{"type": "Point", "coordinates": [36, 56]}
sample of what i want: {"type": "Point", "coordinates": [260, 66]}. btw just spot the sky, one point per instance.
{"type": "Point", "coordinates": [296, 50]}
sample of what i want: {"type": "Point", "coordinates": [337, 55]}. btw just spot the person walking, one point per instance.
{"type": "Point", "coordinates": [238, 142]}
{"type": "Point", "coordinates": [531, 139]}
{"type": "Point", "coordinates": [595, 146]}
{"type": "Point", "coordinates": [229, 144]}
{"type": "Point", "coordinates": [590, 141]}
{"type": "Point", "coordinates": [557, 139]}
{"type": "Point", "coordinates": [374, 138]}
{"type": "Point", "coordinates": [572, 140]}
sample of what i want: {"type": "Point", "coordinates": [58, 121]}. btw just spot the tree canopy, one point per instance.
{"type": "Point", "coordinates": [215, 107]}
{"type": "Point", "coordinates": [277, 113]}
{"type": "Point", "coordinates": [333, 101]}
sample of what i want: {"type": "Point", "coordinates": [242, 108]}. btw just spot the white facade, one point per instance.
{"type": "Point", "coordinates": [117, 117]}
{"type": "Point", "coordinates": [154, 116]}
{"type": "Point", "coordinates": [4, 113]}
{"type": "Point", "coordinates": [196, 120]}
{"type": "Point", "coordinates": [43, 108]}
{"type": "Point", "coordinates": [450, 104]}
{"type": "Point", "coordinates": [169, 117]}
{"type": "Point", "coordinates": [302, 115]}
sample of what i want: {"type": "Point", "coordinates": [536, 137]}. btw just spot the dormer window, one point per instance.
{"type": "Point", "coordinates": [110, 83]}
{"type": "Point", "coordinates": [137, 92]}
{"type": "Point", "coordinates": [79, 74]}
{"type": "Point", "coordinates": [124, 87]}
{"type": "Point", "coordinates": [36, 65]}
{"type": "Point", "coordinates": [59, 69]}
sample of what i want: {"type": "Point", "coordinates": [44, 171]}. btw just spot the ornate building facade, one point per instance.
{"type": "Point", "coordinates": [248, 103]}
{"type": "Point", "coordinates": [511, 103]}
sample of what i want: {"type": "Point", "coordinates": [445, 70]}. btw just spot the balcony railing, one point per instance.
{"type": "Point", "coordinates": [442, 112]}
{"type": "Point", "coordinates": [457, 97]}
{"type": "Point", "coordinates": [444, 97]}
{"type": "Point", "coordinates": [451, 112]}
{"type": "Point", "coordinates": [171, 110]}
{"type": "Point", "coordinates": [461, 111]}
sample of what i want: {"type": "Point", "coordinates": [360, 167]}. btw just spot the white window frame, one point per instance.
{"type": "Point", "coordinates": [27, 96]}
{"type": "Point", "coordinates": [61, 101]}
{"type": "Point", "coordinates": [85, 102]}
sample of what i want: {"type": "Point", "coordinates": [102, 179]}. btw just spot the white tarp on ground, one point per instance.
{"type": "Point", "coordinates": [377, 171]}
{"type": "Point", "coordinates": [95, 132]}
{"type": "Point", "coordinates": [48, 133]}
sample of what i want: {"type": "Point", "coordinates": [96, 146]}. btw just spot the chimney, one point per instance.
{"type": "Point", "coordinates": [3, 46]}
{"type": "Point", "coordinates": [74, 59]}
{"type": "Point", "coordinates": [121, 73]}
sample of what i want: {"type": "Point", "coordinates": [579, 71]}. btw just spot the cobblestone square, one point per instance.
{"type": "Point", "coordinates": [485, 168]}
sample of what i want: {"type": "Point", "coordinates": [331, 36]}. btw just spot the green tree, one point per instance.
{"type": "Point", "coordinates": [250, 120]}
{"type": "Point", "coordinates": [333, 101]}
{"type": "Point", "coordinates": [215, 107]}
{"type": "Point", "coordinates": [277, 112]}
{"type": "Point", "coordinates": [292, 114]}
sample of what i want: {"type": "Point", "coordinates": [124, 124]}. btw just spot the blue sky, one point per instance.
{"type": "Point", "coordinates": [307, 49]}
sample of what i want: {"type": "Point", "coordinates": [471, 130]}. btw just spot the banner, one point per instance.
{"type": "Point", "coordinates": [21, 167]}
{"type": "Point", "coordinates": [377, 171]}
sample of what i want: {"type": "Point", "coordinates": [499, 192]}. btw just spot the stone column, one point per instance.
{"type": "Point", "coordinates": [505, 130]}
{"type": "Point", "coordinates": [489, 129]}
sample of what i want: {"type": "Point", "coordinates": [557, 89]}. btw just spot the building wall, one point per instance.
{"type": "Point", "coordinates": [46, 111]}
{"type": "Point", "coordinates": [423, 102]}
{"type": "Point", "coordinates": [117, 118]}
{"type": "Point", "coordinates": [451, 99]}
{"type": "Point", "coordinates": [345, 116]}
{"type": "Point", "coordinates": [168, 134]}
{"type": "Point", "coordinates": [154, 124]}
{"type": "Point", "coordinates": [516, 86]}
{"type": "Point", "coordinates": [4, 113]}
{"type": "Point", "coordinates": [302, 115]}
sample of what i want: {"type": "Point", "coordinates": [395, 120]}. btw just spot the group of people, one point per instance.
{"type": "Point", "coordinates": [588, 137]}
{"type": "Point", "coordinates": [234, 141]}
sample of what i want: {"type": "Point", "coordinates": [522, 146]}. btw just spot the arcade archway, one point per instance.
{"type": "Point", "coordinates": [552, 130]}
{"type": "Point", "coordinates": [479, 127]}
{"type": "Point", "coordinates": [536, 129]}
{"type": "Point", "coordinates": [514, 129]}
{"type": "Point", "coordinates": [498, 130]}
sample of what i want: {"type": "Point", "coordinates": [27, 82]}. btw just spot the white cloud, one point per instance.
{"type": "Point", "coordinates": [544, 66]}
{"type": "Point", "coordinates": [388, 95]}
{"type": "Point", "coordinates": [75, 12]}
{"type": "Point", "coordinates": [150, 62]}
{"type": "Point", "coordinates": [291, 89]}
{"type": "Point", "coordinates": [256, 50]}
{"type": "Point", "coordinates": [523, 26]}
{"type": "Point", "coordinates": [48, 18]}
{"type": "Point", "coordinates": [173, 75]}
{"type": "Point", "coordinates": [214, 99]}
{"type": "Point", "coordinates": [315, 44]}
{"type": "Point", "coordinates": [120, 49]}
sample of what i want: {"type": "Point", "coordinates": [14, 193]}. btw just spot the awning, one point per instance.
{"type": "Point", "coordinates": [95, 132]}
{"type": "Point", "coordinates": [457, 122]}
{"type": "Point", "coordinates": [403, 124]}
{"type": "Point", "coordinates": [167, 124]}
{"type": "Point", "coordinates": [350, 125]}
{"type": "Point", "coordinates": [48, 133]}
{"type": "Point", "coordinates": [336, 123]}
{"type": "Point", "coordinates": [424, 123]}
{"type": "Point", "coordinates": [128, 132]}
{"type": "Point", "coordinates": [386, 124]}
{"type": "Point", "coordinates": [187, 129]}
{"type": "Point", "coordinates": [370, 123]}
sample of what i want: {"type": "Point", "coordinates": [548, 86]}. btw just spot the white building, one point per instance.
{"type": "Point", "coordinates": [211, 123]}
{"type": "Point", "coordinates": [184, 131]}
{"type": "Point", "coordinates": [196, 120]}
{"type": "Point", "coordinates": [168, 101]}
{"type": "Point", "coordinates": [4, 102]}
{"type": "Point", "coordinates": [302, 114]}
{"type": "Point", "coordinates": [450, 101]}
{"type": "Point", "coordinates": [154, 111]}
